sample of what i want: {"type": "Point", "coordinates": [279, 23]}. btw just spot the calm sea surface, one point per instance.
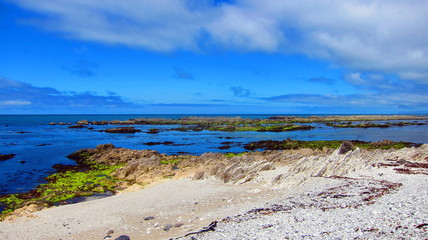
{"type": "Point", "coordinates": [38, 145]}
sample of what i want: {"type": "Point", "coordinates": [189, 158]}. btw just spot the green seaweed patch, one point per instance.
{"type": "Point", "coordinates": [260, 128]}
{"type": "Point", "coordinates": [10, 202]}
{"type": "Point", "coordinates": [289, 144]}
{"type": "Point", "coordinates": [63, 186]}
{"type": "Point", "coordinates": [231, 155]}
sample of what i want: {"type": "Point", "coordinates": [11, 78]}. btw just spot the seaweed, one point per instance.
{"type": "Point", "coordinates": [85, 179]}
{"type": "Point", "coordinates": [289, 144]}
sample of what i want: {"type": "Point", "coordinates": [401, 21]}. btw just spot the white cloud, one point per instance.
{"type": "Point", "coordinates": [355, 79]}
{"type": "Point", "coordinates": [14, 103]}
{"type": "Point", "coordinates": [378, 36]}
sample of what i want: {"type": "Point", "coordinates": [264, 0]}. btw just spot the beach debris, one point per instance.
{"type": "Point", "coordinates": [149, 218]}
{"type": "Point", "coordinates": [210, 227]}
{"type": "Point", "coordinates": [422, 225]}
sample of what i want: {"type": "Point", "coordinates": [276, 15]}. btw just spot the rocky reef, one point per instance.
{"type": "Point", "coordinates": [121, 130]}
{"type": "Point", "coordinates": [233, 124]}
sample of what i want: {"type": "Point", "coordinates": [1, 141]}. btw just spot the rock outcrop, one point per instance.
{"type": "Point", "coordinates": [148, 166]}
{"type": "Point", "coordinates": [4, 157]}
{"type": "Point", "coordinates": [122, 130]}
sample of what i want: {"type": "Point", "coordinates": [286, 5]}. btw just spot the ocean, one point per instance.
{"type": "Point", "coordinates": [38, 145]}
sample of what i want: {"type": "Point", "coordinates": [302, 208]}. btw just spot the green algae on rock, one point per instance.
{"type": "Point", "coordinates": [333, 144]}
{"type": "Point", "coordinates": [260, 128]}
{"type": "Point", "coordinates": [85, 179]}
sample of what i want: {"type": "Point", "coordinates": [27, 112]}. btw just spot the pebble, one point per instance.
{"type": "Point", "coordinates": [325, 216]}
{"type": "Point", "coordinates": [123, 237]}
{"type": "Point", "coordinates": [178, 225]}
{"type": "Point", "coordinates": [149, 218]}
{"type": "Point", "coordinates": [167, 227]}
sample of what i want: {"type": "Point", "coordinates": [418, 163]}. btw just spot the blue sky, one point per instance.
{"type": "Point", "coordinates": [207, 56]}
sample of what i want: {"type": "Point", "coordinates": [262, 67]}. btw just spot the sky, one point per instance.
{"type": "Point", "coordinates": [213, 57]}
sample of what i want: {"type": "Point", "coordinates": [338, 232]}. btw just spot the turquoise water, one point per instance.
{"type": "Point", "coordinates": [38, 145]}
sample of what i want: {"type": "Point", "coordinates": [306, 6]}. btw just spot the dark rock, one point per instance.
{"type": "Point", "coordinates": [153, 131]}
{"type": "Point", "coordinates": [43, 144]}
{"type": "Point", "coordinates": [346, 147]}
{"type": "Point", "coordinates": [22, 162]}
{"type": "Point", "coordinates": [122, 130]}
{"type": "Point", "coordinates": [83, 122]}
{"type": "Point", "coordinates": [99, 122]}
{"type": "Point", "coordinates": [77, 126]}
{"type": "Point", "coordinates": [23, 132]}
{"type": "Point", "coordinates": [123, 237]}
{"type": "Point", "coordinates": [159, 143]}
{"type": "Point", "coordinates": [384, 142]}
{"type": "Point", "coordinates": [4, 157]}
{"type": "Point", "coordinates": [149, 218]}
{"type": "Point", "coordinates": [64, 168]}
{"type": "Point", "coordinates": [103, 147]}
{"type": "Point", "coordinates": [224, 147]}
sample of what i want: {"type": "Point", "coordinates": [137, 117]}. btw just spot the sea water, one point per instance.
{"type": "Point", "coordinates": [38, 145]}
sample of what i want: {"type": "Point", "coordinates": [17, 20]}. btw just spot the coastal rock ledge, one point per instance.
{"type": "Point", "coordinates": [291, 194]}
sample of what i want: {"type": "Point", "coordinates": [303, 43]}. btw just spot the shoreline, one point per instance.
{"type": "Point", "coordinates": [110, 169]}
{"type": "Point", "coordinates": [196, 203]}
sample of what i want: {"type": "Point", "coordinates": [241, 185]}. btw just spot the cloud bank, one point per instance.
{"type": "Point", "coordinates": [379, 37]}
{"type": "Point", "coordinates": [20, 97]}
{"type": "Point", "coordinates": [379, 102]}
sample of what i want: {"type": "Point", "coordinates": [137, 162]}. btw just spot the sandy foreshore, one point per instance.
{"type": "Point", "coordinates": [356, 195]}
